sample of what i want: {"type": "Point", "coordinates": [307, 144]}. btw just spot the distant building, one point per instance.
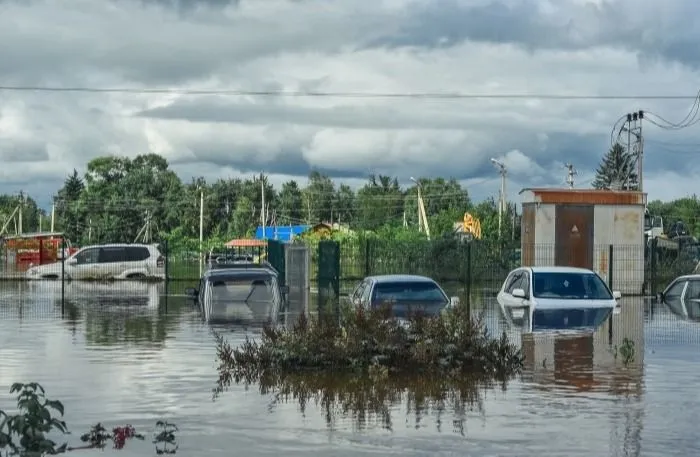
{"type": "Point", "coordinates": [280, 232]}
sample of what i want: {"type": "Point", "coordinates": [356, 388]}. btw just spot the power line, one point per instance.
{"type": "Point", "coordinates": [283, 93]}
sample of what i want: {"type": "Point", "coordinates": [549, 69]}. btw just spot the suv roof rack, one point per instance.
{"type": "Point", "coordinates": [233, 262]}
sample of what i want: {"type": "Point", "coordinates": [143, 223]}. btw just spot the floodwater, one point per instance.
{"type": "Point", "coordinates": [124, 354]}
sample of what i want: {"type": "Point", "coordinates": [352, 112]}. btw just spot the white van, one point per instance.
{"type": "Point", "coordinates": [106, 261]}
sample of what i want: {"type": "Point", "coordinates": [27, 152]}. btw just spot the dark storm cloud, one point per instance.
{"type": "Point", "coordinates": [666, 30]}
{"type": "Point", "coordinates": [351, 117]}
{"type": "Point", "coordinates": [152, 42]}
{"type": "Point", "coordinates": [288, 161]}
{"type": "Point", "coordinates": [12, 150]}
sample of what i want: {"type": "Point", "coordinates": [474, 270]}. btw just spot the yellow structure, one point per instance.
{"type": "Point", "coordinates": [472, 226]}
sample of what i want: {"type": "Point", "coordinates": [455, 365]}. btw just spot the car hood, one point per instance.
{"type": "Point", "coordinates": [562, 303]}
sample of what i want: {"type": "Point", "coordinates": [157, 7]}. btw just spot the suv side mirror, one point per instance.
{"type": "Point", "coordinates": [191, 292]}
{"type": "Point", "coordinates": [284, 290]}
{"type": "Point", "coordinates": [72, 261]}
{"type": "Point", "coordinates": [454, 301]}
{"type": "Point", "coordinates": [660, 297]}
{"type": "Point", "coordinates": [518, 293]}
{"type": "Point", "coordinates": [617, 294]}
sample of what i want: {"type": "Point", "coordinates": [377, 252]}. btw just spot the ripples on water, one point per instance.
{"type": "Point", "coordinates": [126, 354]}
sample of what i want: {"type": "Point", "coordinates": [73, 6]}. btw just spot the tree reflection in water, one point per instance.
{"type": "Point", "coordinates": [368, 400]}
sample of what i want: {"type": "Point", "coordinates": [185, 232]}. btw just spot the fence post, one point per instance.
{"type": "Point", "coordinates": [469, 279]}
{"type": "Point", "coordinates": [328, 274]}
{"type": "Point", "coordinates": [652, 266]}
{"type": "Point", "coordinates": [611, 265]}
{"type": "Point", "coordinates": [63, 276]}
{"type": "Point", "coordinates": [368, 264]}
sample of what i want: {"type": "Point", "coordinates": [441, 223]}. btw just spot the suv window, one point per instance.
{"type": "Point", "coordinates": [137, 253]}
{"type": "Point", "coordinates": [87, 256]}
{"type": "Point", "coordinates": [112, 255]}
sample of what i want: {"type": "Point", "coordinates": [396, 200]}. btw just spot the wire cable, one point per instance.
{"type": "Point", "coordinates": [321, 94]}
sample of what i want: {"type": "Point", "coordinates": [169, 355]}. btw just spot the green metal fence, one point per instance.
{"type": "Point", "coordinates": [336, 267]}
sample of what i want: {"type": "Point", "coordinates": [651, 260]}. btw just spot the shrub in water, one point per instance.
{"type": "Point", "coordinates": [25, 433]}
{"type": "Point", "coordinates": [450, 344]}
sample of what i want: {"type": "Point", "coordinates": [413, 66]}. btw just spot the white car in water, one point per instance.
{"type": "Point", "coordinates": [106, 261]}
{"type": "Point", "coordinates": [556, 298]}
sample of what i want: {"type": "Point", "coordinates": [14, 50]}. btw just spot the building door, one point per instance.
{"type": "Point", "coordinates": [574, 236]}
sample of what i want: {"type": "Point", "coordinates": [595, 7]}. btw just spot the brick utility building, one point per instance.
{"type": "Point", "coordinates": [576, 227]}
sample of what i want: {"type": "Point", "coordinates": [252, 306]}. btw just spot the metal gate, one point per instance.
{"type": "Point", "coordinates": [275, 255]}
{"type": "Point", "coordinates": [297, 266]}
{"type": "Point", "coordinates": [328, 276]}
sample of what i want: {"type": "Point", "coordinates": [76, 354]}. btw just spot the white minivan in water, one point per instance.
{"type": "Point", "coordinates": [106, 261]}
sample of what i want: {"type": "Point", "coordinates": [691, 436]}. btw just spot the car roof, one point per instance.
{"type": "Point", "coordinates": [241, 272]}
{"type": "Point", "coordinates": [120, 245]}
{"type": "Point", "coordinates": [399, 278]}
{"type": "Point", "coordinates": [557, 269]}
{"type": "Point", "coordinates": [686, 277]}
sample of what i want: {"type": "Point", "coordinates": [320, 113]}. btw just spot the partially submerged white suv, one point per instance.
{"type": "Point", "coordinates": [106, 261]}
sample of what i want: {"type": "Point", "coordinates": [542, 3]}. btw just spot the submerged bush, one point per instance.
{"type": "Point", "coordinates": [451, 344]}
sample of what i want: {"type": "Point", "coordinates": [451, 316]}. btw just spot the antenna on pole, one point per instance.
{"type": "Point", "coordinates": [570, 175]}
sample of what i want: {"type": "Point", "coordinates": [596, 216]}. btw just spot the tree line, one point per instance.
{"type": "Point", "coordinates": [119, 198]}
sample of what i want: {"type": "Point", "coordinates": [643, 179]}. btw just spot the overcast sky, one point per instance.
{"type": "Point", "coordinates": [562, 47]}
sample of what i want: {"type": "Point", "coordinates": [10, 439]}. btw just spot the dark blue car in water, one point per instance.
{"type": "Point", "coordinates": [405, 294]}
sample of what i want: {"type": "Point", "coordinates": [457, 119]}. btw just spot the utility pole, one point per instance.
{"type": "Point", "coordinates": [502, 198]}
{"type": "Point", "coordinates": [53, 215]}
{"type": "Point", "coordinates": [201, 229]}
{"type": "Point", "coordinates": [21, 210]}
{"type": "Point", "coordinates": [422, 216]}
{"type": "Point", "coordinates": [262, 210]}
{"type": "Point", "coordinates": [570, 176]}
{"type": "Point", "coordinates": [636, 147]}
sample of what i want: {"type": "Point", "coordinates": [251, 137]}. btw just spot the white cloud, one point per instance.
{"type": "Point", "coordinates": [528, 46]}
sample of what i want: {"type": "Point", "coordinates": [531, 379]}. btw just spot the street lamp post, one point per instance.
{"type": "Point", "coordinates": [502, 198]}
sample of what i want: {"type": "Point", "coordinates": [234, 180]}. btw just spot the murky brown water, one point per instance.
{"type": "Point", "coordinates": [122, 354]}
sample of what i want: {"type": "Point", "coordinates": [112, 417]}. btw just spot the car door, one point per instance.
{"type": "Point", "coordinates": [86, 264]}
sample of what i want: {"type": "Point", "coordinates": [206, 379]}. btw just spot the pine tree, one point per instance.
{"type": "Point", "coordinates": [616, 170]}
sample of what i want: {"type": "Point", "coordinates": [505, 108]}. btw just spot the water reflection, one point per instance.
{"type": "Point", "coordinates": [110, 313]}
{"type": "Point", "coordinates": [611, 359]}
{"type": "Point", "coordinates": [368, 401]}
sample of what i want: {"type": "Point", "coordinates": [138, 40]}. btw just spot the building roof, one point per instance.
{"type": "Point", "coordinates": [582, 196]}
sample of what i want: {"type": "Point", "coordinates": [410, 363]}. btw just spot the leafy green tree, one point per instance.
{"type": "Point", "coordinates": [616, 170]}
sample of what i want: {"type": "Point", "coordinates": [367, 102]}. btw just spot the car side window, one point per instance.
{"type": "Point", "coordinates": [136, 253]}
{"type": "Point", "coordinates": [676, 290]}
{"type": "Point", "coordinates": [87, 256]}
{"type": "Point", "coordinates": [509, 281]}
{"type": "Point", "coordinates": [112, 255]}
{"type": "Point", "coordinates": [524, 283]}
{"type": "Point", "coordinates": [693, 290]}
{"type": "Point", "coordinates": [514, 281]}
{"type": "Point", "coordinates": [366, 294]}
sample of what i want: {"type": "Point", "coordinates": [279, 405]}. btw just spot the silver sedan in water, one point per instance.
{"type": "Point", "coordinates": [405, 294]}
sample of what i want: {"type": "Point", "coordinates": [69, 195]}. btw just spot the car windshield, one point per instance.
{"type": "Point", "coordinates": [570, 286]}
{"type": "Point", "coordinates": [407, 296]}
{"type": "Point", "coordinates": [250, 297]}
